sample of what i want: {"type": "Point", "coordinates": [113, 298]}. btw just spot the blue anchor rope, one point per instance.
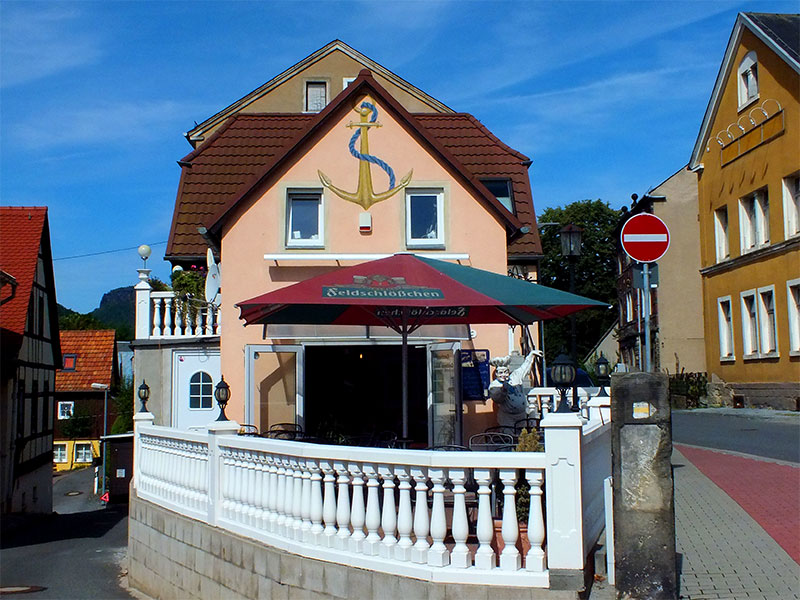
{"type": "Point", "coordinates": [369, 157]}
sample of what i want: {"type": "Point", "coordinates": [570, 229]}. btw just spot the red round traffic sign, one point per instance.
{"type": "Point", "coordinates": [645, 237]}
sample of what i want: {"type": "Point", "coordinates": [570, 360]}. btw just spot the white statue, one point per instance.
{"type": "Point", "coordinates": [507, 391]}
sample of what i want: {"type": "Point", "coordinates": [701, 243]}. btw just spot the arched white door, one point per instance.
{"type": "Point", "coordinates": [196, 373]}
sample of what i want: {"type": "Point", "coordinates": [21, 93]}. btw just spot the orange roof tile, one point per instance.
{"type": "Point", "coordinates": [95, 359]}
{"type": "Point", "coordinates": [21, 230]}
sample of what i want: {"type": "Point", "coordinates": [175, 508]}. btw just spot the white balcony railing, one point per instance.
{"type": "Point", "coordinates": [431, 515]}
{"type": "Point", "coordinates": [160, 315]}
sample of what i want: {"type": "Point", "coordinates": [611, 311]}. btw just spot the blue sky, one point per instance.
{"type": "Point", "coordinates": [605, 97]}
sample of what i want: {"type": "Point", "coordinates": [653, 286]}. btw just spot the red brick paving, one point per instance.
{"type": "Point", "coordinates": [769, 492]}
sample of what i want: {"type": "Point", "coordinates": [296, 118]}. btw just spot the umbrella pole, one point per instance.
{"type": "Point", "coordinates": [404, 370]}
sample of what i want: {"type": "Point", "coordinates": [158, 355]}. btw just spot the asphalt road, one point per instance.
{"type": "Point", "coordinates": [73, 553]}
{"type": "Point", "coordinates": [765, 433]}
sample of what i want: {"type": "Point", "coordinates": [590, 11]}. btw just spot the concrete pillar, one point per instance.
{"type": "Point", "coordinates": [644, 513]}
{"type": "Point", "coordinates": [562, 446]}
{"type": "Point", "coordinates": [143, 305]}
{"type": "Point", "coordinates": [216, 429]}
{"type": "Point", "coordinates": [139, 419]}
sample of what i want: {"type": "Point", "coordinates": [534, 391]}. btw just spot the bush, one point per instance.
{"type": "Point", "coordinates": [687, 386]}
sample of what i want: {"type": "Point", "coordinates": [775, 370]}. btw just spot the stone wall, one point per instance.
{"type": "Point", "coordinates": [779, 396]}
{"type": "Point", "coordinates": [172, 556]}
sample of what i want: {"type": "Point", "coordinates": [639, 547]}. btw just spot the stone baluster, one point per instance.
{"type": "Point", "coordinates": [402, 550]}
{"type": "Point", "coordinates": [329, 504]}
{"type": "Point", "coordinates": [208, 328]}
{"type": "Point", "coordinates": [198, 322]}
{"type": "Point", "coordinates": [510, 559]}
{"type": "Point", "coordinates": [157, 317]}
{"type": "Point", "coordinates": [242, 508]}
{"type": "Point", "coordinates": [460, 556]}
{"type": "Point", "coordinates": [226, 483]}
{"type": "Point", "coordinates": [261, 490]}
{"type": "Point", "coordinates": [388, 514]}
{"type": "Point", "coordinates": [252, 489]}
{"type": "Point", "coordinates": [357, 510]}
{"type": "Point", "coordinates": [373, 517]}
{"type": "Point", "coordinates": [421, 517]}
{"type": "Point", "coordinates": [272, 494]}
{"type": "Point", "coordinates": [342, 506]}
{"type": "Point", "coordinates": [315, 510]}
{"type": "Point", "coordinates": [484, 557]}
{"type": "Point", "coordinates": [297, 501]}
{"type": "Point", "coordinates": [535, 559]}
{"type": "Point", "coordinates": [280, 522]}
{"type": "Point", "coordinates": [438, 556]}
{"type": "Point", "coordinates": [288, 499]}
{"type": "Point", "coordinates": [305, 501]}
{"type": "Point", "coordinates": [169, 327]}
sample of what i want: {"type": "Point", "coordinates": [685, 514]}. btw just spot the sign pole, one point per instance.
{"type": "Point", "coordinates": [646, 284]}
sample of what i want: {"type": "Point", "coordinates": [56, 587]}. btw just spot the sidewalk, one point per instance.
{"type": "Point", "coordinates": [723, 551]}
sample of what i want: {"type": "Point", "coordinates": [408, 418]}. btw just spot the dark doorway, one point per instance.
{"type": "Point", "coordinates": [355, 392]}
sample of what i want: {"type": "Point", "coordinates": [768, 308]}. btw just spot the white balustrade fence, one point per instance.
{"type": "Point", "coordinates": [161, 315]}
{"type": "Point", "coordinates": [425, 514]}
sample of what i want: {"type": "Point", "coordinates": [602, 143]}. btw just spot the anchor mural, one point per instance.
{"type": "Point", "coordinates": [365, 195]}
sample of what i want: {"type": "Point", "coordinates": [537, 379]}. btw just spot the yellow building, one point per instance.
{"type": "Point", "coordinates": [747, 159]}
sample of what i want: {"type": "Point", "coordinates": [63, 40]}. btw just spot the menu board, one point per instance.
{"type": "Point", "coordinates": [475, 374]}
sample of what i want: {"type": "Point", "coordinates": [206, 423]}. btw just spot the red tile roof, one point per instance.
{"type": "Point", "coordinates": [95, 359]}
{"type": "Point", "coordinates": [21, 230]}
{"type": "Point", "coordinates": [248, 146]}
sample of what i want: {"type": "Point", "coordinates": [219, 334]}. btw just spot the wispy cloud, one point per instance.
{"type": "Point", "coordinates": [102, 123]}
{"type": "Point", "coordinates": [42, 40]}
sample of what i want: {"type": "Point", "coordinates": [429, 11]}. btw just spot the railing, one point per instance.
{"type": "Point", "coordinates": [160, 315]}
{"type": "Point", "coordinates": [432, 515]}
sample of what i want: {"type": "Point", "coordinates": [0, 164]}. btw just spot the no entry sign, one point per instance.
{"type": "Point", "coordinates": [645, 237]}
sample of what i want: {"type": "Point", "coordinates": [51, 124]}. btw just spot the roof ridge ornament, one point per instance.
{"type": "Point", "coordinates": [365, 196]}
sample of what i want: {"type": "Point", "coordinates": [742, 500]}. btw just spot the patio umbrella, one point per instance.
{"type": "Point", "coordinates": [404, 292]}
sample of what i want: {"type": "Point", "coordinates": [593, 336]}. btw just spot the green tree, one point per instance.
{"type": "Point", "coordinates": [79, 425]}
{"type": "Point", "coordinates": [123, 402]}
{"type": "Point", "coordinates": [595, 271]}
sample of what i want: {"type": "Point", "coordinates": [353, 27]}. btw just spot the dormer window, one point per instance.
{"type": "Point", "coordinates": [70, 361]}
{"type": "Point", "coordinates": [316, 95]}
{"type": "Point", "coordinates": [748, 80]}
{"type": "Point", "coordinates": [501, 189]}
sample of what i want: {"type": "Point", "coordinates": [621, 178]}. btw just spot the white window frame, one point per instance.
{"type": "Point", "coordinates": [307, 108]}
{"type": "Point", "coordinates": [305, 194]}
{"type": "Point", "coordinates": [80, 448]}
{"type": "Point", "coordinates": [767, 322]}
{"type": "Point", "coordinates": [791, 205]}
{"type": "Point", "coordinates": [59, 453]}
{"type": "Point", "coordinates": [747, 80]}
{"type": "Point", "coordinates": [200, 397]}
{"type": "Point", "coordinates": [723, 250]}
{"type": "Point", "coordinates": [725, 320]}
{"type": "Point", "coordinates": [793, 307]}
{"type": "Point", "coordinates": [750, 329]}
{"type": "Point", "coordinates": [439, 240]}
{"type": "Point", "coordinates": [754, 221]}
{"type": "Point", "coordinates": [347, 81]}
{"type": "Point", "coordinates": [65, 410]}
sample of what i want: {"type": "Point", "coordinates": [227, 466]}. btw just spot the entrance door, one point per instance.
{"type": "Point", "coordinates": [196, 372]}
{"type": "Point", "coordinates": [444, 394]}
{"type": "Point", "coordinates": [274, 384]}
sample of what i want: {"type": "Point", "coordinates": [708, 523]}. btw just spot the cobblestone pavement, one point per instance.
{"type": "Point", "coordinates": [723, 551]}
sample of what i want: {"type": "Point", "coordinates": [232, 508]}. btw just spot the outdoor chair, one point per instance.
{"type": "Point", "coordinates": [528, 423]}
{"type": "Point", "coordinates": [385, 439]}
{"type": "Point", "coordinates": [449, 448]}
{"type": "Point", "coordinates": [491, 442]}
{"type": "Point", "coordinates": [284, 431]}
{"type": "Point", "coordinates": [501, 429]}
{"type": "Point", "coordinates": [249, 430]}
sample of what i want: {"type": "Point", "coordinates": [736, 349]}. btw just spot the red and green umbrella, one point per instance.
{"type": "Point", "coordinates": [404, 292]}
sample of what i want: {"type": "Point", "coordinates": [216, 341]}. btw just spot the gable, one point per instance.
{"type": "Point", "coordinates": [249, 152]}
{"type": "Point", "coordinates": [776, 41]}
{"type": "Point", "coordinates": [331, 64]}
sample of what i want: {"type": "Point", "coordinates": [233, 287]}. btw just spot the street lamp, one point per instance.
{"type": "Point", "coordinates": [144, 251]}
{"type": "Point", "coordinates": [144, 394]}
{"type": "Point", "coordinates": [104, 387]}
{"type": "Point", "coordinates": [602, 374]}
{"type": "Point", "coordinates": [571, 249]}
{"type": "Point", "coordinates": [562, 374]}
{"type": "Point", "coordinates": [222, 393]}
